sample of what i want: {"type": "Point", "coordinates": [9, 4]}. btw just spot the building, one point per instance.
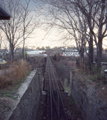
{"type": "Point", "coordinates": [71, 53]}
{"type": "Point", "coordinates": [4, 15]}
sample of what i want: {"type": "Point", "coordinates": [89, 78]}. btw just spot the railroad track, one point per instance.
{"type": "Point", "coordinates": [54, 103]}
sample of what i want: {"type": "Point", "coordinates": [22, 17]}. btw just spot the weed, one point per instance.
{"type": "Point", "coordinates": [7, 107]}
{"type": "Point", "coordinates": [14, 97]}
{"type": "Point", "coordinates": [78, 112]}
{"type": "Point", "coordinates": [5, 94]}
{"type": "Point", "coordinates": [98, 84]}
{"type": "Point", "coordinates": [72, 100]}
{"type": "Point", "coordinates": [93, 70]}
{"type": "Point", "coordinates": [92, 78]}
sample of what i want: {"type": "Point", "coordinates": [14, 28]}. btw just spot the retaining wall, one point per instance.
{"type": "Point", "coordinates": [89, 98]}
{"type": "Point", "coordinates": [28, 99]}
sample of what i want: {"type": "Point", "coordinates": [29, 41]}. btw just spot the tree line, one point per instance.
{"type": "Point", "coordinates": [82, 20]}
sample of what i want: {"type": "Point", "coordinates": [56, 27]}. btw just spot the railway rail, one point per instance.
{"type": "Point", "coordinates": [54, 102]}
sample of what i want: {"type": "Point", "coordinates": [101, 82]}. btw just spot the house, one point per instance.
{"type": "Point", "coordinates": [37, 53]}
{"type": "Point", "coordinates": [73, 53]}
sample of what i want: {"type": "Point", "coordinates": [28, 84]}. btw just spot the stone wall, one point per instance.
{"type": "Point", "coordinates": [28, 100]}
{"type": "Point", "coordinates": [88, 98]}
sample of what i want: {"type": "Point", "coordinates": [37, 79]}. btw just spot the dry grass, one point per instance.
{"type": "Point", "coordinates": [15, 73]}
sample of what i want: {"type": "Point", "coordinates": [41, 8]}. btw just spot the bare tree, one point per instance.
{"type": "Point", "coordinates": [28, 24]}
{"type": "Point", "coordinates": [102, 29]}
{"type": "Point", "coordinates": [1, 40]}
{"type": "Point", "coordinates": [95, 12]}
{"type": "Point", "coordinates": [70, 19]}
{"type": "Point", "coordinates": [12, 27]}
{"type": "Point", "coordinates": [21, 24]}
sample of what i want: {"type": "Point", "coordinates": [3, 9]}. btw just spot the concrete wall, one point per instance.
{"type": "Point", "coordinates": [28, 100]}
{"type": "Point", "coordinates": [88, 98]}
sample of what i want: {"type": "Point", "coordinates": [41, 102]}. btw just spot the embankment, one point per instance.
{"type": "Point", "coordinates": [90, 98]}
{"type": "Point", "coordinates": [26, 105]}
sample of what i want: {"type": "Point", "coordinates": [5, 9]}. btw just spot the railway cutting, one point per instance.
{"type": "Point", "coordinates": [54, 90]}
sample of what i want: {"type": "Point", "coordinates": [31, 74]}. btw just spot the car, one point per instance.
{"type": "Point", "coordinates": [2, 63]}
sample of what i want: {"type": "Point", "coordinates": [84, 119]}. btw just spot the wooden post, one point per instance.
{"type": "Point", "coordinates": [71, 69]}
{"type": "Point", "coordinates": [39, 70]}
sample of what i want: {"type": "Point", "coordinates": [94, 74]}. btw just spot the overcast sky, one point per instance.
{"type": "Point", "coordinates": [43, 35]}
{"type": "Point", "coordinates": [48, 37]}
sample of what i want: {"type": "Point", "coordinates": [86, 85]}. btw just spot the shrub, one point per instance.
{"type": "Point", "coordinates": [14, 74]}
